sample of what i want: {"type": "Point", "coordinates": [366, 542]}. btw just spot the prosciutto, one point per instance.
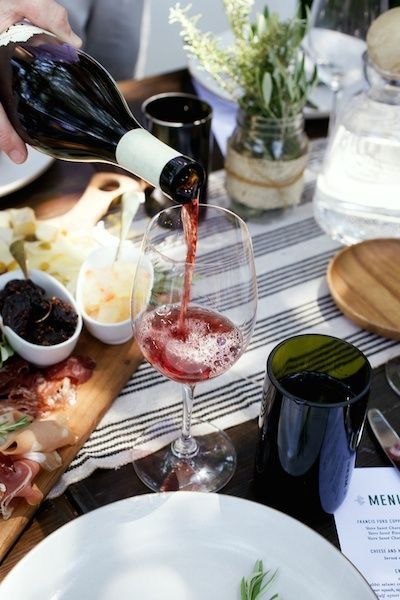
{"type": "Point", "coordinates": [26, 446]}
{"type": "Point", "coordinates": [38, 436]}
{"type": "Point", "coordinates": [25, 449]}
{"type": "Point", "coordinates": [16, 477]}
{"type": "Point", "coordinates": [38, 392]}
{"type": "Point", "coordinates": [11, 372]}
{"type": "Point", "coordinates": [77, 368]}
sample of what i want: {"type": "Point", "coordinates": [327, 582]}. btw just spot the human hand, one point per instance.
{"type": "Point", "coordinates": [43, 13]}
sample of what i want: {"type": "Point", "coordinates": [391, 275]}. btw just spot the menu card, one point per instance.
{"type": "Point", "coordinates": [368, 526]}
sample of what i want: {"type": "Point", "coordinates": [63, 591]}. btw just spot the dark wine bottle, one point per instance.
{"type": "Point", "coordinates": [64, 103]}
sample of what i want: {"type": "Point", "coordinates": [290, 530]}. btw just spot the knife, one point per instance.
{"type": "Point", "coordinates": [388, 439]}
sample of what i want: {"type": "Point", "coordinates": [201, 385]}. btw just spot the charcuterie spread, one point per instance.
{"type": "Point", "coordinates": [32, 399]}
{"type": "Point", "coordinates": [60, 390]}
{"type": "Point", "coordinates": [32, 428]}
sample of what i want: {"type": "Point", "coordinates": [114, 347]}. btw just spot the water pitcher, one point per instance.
{"type": "Point", "coordinates": [357, 193]}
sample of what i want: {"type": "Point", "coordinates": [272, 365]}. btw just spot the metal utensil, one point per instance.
{"type": "Point", "coordinates": [17, 251]}
{"type": "Point", "coordinates": [130, 203]}
{"type": "Point", "coordinates": [388, 439]}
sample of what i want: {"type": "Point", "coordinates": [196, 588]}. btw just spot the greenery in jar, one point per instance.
{"type": "Point", "coordinates": [264, 67]}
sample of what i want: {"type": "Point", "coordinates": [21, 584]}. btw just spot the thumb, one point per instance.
{"type": "Point", "coordinates": [44, 13]}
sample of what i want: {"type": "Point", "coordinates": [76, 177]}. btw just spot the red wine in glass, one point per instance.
{"type": "Point", "coordinates": [185, 329]}
{"type": "Point", "coordinates": [208, 345]}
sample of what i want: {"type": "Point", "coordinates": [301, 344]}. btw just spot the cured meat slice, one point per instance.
{"type": "Point", "coordinates": [11, 372]}
{"type": "Point", "coordinates": [16, 481]}
{"type": "Point", "coordinates": [38, 436]}
{"type": "Point", "coordinates": [39, 392]}
{"type": "Point", "coordinates": [78, 368]}
{"type": "Point", "coordinates": [49, 461]}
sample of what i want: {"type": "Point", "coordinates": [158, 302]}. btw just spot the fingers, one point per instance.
{"type": "Point", "coordinates": [10, 142]}
{"type": "Point", "coordinates": [49, 15]}
{"type": "Point", "coordinates": [43, 13]}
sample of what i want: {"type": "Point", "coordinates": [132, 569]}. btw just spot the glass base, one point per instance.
{"type": "Point", "coordinates": [392, 370]}
{"type": "Point", "coordinates": [208, 470]}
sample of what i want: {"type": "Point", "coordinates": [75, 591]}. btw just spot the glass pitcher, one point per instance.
{"type": "Point", "coordinates": [357, 192]}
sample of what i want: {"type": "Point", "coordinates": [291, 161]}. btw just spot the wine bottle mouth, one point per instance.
{"type": "Point", "coordinates": [181, 179]}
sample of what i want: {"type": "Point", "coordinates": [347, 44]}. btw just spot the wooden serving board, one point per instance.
{"type": "Point", "coordinates": [102, 190]}
{"type": "Point", "coordinates": [364, 280]}
{"type": "Point", "coordinates": [114, 366]}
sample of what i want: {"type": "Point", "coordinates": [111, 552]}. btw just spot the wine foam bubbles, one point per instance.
{"type": "Point", "coordinates": [209, 345]}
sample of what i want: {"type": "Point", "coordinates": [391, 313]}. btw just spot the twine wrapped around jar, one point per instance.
{"type": "Point", "coordinates": [265, 161]}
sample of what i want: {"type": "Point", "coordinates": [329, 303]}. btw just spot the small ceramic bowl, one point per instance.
{"type": "Point", "coordinates": [42, 356]}
{"type": "Point", "coordinates": [108, 332]}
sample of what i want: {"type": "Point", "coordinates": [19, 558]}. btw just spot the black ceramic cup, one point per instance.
{"type": "Point", "coordinates": [183, 121]}
{"type": "Point", "coordinates": [312, 415]}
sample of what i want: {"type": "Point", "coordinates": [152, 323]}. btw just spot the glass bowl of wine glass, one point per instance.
{"type": "Point", "coordinates": [194, 326]}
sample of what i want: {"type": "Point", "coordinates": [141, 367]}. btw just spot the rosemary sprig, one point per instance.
{"type": "Point", "coordinates": [253, 587]}
{"type": "Point", "coordinates": [6, 428]}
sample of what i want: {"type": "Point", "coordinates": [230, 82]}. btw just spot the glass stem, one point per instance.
{"type": "Point", "coordinates": [186, 446]}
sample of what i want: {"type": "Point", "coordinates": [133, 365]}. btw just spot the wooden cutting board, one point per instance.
{"type": "Point", "coordinates": [102, 190]}
{"type": "Point", "coordinates": [364, 280]}
{"type": "Point", "coordinates": [114, 364]}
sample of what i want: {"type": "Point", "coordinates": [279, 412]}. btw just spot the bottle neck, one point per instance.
{"type": "Point", "coordinates": [141, 153]}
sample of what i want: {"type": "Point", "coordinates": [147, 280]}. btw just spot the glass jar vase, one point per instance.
{"type": "Point", "coordinates": [265, 162]}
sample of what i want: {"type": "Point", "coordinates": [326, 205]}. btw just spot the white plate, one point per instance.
{"type": "Point", "coordinates": [13, 177]}
{"type": "Point", "coordinates": [321, 96]}
{"type": "Point", "coordinates": [181, 546]}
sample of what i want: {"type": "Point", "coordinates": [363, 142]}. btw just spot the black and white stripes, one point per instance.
{"type": "Point", "coordinates": [292, 255]}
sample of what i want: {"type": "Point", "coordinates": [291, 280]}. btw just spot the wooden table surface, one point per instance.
{"type": "Point", "coordinates": [53, 193]}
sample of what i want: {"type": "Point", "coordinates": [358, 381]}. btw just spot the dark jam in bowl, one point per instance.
{"type": "Point", "coordinates": [36, 318]}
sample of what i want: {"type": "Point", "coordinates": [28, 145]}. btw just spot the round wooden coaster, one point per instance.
{"type": "Point", "coordinates": [364, 280]}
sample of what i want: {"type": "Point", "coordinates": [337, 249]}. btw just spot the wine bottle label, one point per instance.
{"type": "Point", "coordinates": [21, 32]}
{"type": "Point", "coordinates": [142, 153]}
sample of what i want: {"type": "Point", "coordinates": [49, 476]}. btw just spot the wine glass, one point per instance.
{"type": "Point", "coordinates": [392, 372]}
{"type": "Point", "coordinates": [192, 339]}
{"type": "Point", "coordinates": [335, 41]}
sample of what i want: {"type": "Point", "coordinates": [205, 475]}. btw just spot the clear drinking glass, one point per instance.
{"type": "Point", "coordinates": [336, 40]}
{"type": "Point", "coordinates": [203, 344]}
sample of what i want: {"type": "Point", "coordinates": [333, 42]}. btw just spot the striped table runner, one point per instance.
{"type": "Point", "coordinates": [291, 254]}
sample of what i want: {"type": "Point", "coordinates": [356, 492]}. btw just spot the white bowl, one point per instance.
{"type": "Point", "coordinates": [42, 356]}
{"type": "Point", "coordinates": [109, 333]}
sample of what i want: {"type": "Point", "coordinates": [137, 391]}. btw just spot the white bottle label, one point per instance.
{"type": "Point", "coordinates": [21, 32]}
{"type": "Point", "coordinates": [142, 153]}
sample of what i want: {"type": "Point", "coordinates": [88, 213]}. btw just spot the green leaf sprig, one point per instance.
{"type": "Point", "coordinates": [254, 586]}
{"type": "Point", "coordinates": [6, 428]}
{"type": "Point", "coordinates": [5, 350]}
{"type": "Point", "coordinates": [264, 68]}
